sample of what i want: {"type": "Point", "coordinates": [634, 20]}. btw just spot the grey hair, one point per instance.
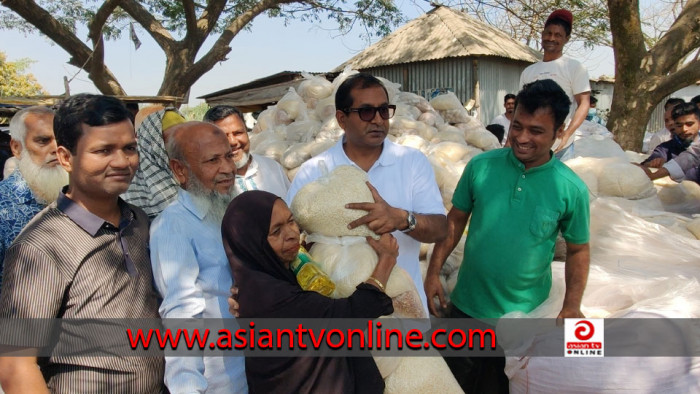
{"type": "Point", "coordinates": [173, 149]}
{"type": "Point", "coordinates": [18, 129]}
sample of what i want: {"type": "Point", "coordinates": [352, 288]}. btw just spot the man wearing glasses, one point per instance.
{"type": "Point", "coordinates": [407, 199]}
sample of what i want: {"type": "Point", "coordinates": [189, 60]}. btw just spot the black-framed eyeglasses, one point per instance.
{"type": "Point", "coordinates": [368, 113]}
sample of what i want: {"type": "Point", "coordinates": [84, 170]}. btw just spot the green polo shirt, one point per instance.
{"type": "Point", "coordinates": [515, 218]}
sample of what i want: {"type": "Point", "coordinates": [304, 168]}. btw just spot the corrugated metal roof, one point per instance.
{"type": "Point", "coordinates": [438, 34]}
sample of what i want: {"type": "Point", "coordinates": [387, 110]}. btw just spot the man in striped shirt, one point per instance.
{"type": "Point", "coordinates": [83, 257]}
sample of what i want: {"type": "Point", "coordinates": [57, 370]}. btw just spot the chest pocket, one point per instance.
{"type": "Point", "coordinates": [544, 222]}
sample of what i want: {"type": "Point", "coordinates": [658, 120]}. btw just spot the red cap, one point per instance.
{"type": "Point", "coordinates": [563, 15]}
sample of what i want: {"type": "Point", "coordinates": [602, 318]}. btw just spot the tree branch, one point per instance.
{"type": "Point", "coordinates": [221, 47]}
{"type": "Point", "coordinates": [679, 79]}
{"type": "Point", "coordinates": [95, 34]}
{"type": "Point", "coordinates": [154, 28]}
{"type": "Point", "coordinates": [81, 55]}
{"type": "Point", "coordinates": [205, 24]}
{"type": "Point", "coordinates": [628, 40]}
{"type": "Point", "coordinates": [190, 15]}
{"type": "Point", "coordinates": [100, 18]}
{"type": "Point", "coordinates": [681, 38]}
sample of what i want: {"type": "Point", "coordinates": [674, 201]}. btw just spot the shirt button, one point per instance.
{"type": "Point", "coordinates": [520, 189]}
{"type": "Point", "coordinates": [523, 176]}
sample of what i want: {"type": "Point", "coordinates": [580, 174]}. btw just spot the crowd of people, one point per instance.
{"type": "Point", "coordinates": [110, 216]}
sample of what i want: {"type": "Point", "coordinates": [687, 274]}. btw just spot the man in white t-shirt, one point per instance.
{"type": "Point", "coordinates": [570, 74]}
{"type": "Point", "coordinates": [254, 172]}
{"type": "Point", "coordinates": [505, 118]}
{"type": "Point", "coordinates": [410, 206]}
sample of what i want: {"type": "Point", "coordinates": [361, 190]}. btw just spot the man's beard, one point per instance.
{"type": "Point", "coordinates": [210, 201]}
{"type": "Point", "coordinates": [243, 161]}
{"type": "Point", "coordinates": [45, 181]}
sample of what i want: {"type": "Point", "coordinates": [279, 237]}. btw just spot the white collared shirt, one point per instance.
{"type": "Point", "coordinates": [192, 274]}
{"type": "Point", "coordinates": [403, 177]}
{"type": "Point", "coordinates": [263, 174]}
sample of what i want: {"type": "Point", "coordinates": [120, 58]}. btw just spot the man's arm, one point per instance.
{"type": "Point", "coordinates": [677, 167]}
{"type": "Point", "coordinates": [576, 276]}
{"type": "Point", "coordinates": [175, 273]}
{"type": "Point", "coordinates": [583, 102]}
{"type": "Point", "coordinates": [657, 158]}
{"type": "Point", "coordinates": [456, 222]}
{"type": "Point", "coordinates": [21, 374]}
{"type": "Point", "coordinates": [382, 218]}
{"type": "Point", "coordinates": [660, 173]}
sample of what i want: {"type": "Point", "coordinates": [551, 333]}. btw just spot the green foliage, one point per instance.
{"type": "Point", "coordinates": [14, 81]}
{"type": "Point", "coordinates": [194, 113]}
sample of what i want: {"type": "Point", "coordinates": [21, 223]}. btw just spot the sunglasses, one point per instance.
{"type": "Point", "coordinates": [368, 113]}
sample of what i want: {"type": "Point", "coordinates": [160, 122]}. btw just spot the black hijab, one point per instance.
{"type": "Point", "coordinates": [267, 289]}
{"type": "Point", "coordinates": [255, 266]}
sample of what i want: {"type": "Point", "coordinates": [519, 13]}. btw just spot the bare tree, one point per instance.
{"type": "Point", "coordinates": [179, 27]}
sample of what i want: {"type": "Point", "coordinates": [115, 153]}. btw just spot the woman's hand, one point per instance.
{"type": "Point", "coordinates": [232, 303]}
{"type": "Point", "coordinates": [386, 246]}
{"type": "Point", "coordinates": [387, 249]}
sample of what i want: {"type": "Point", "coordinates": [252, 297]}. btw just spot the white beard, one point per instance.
{"type": "Point", "coordinates": [46, 182]}
{"type": "Point", "coordinates": [243, 161]}
{"type": "Point", "coordinates": [210, 201]}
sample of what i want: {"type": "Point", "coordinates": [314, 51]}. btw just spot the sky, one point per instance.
{"type": "Point", "coordinates": [270, 47]}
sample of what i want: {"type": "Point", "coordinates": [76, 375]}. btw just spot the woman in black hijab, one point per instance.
{"type": "Point", "coordinates": [261, 240]}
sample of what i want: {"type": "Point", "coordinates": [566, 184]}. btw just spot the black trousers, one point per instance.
{"type": "Point", "coordinates": [477, 375]}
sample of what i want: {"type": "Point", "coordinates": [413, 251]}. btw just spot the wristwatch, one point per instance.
{"type": "Point", "coordinates": [411, 223]}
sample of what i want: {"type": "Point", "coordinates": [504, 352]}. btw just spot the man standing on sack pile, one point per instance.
{"type": "Point", "coordinates": [253, 172]}
{"type": "Point", "coordinates": [407, 199]}
{"type": "Point", "coordinates": [515, 219]}
{"type": "Point", "coordinates": [571, 76]}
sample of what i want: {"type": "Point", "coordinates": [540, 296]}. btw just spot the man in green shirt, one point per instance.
{"type": "Point", "coordinates": [519, 198]}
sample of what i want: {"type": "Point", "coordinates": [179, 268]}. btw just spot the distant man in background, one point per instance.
{"type": "Point", "coordinates": [254, 172]}
{"type": "Point", "coordinates": [593, 112]}
{"type": "Point", "coordinates": [505, 118]}
{"type": "Point", "coordinates": [39, 177]}
{"type": "Point", "coordinates": [190, 267]}
{"type": "Point", "coordinates": [497, 130]}
{"type": "Point", "coordinates": [696, 100]}
{"type": "Point", "coordinates": [570, 74]}
{"type": "Point", "coordinates": [685, 134]}
{"type": "Point", "coordinates": [83, 257]}
{"type": "Point", "coordinates": [652, 140]}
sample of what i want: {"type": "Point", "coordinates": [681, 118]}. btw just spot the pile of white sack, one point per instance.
{"type": "Point", "coordinates": [302, 124]}
{"type": "Point", "coordinates": [645, 252]}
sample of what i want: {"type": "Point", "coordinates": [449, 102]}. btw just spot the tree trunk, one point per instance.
{"type": "Point", "coordinates": [629, 114]}
{"type": "Point", "coordinates": [644, 77]}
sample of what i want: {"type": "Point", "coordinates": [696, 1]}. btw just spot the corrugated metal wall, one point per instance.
{"type": "Point", "coordinates": [454, 74]}
{"type": "Point", "coordinates": [497, 77]}
{"type": "Point", "coordinates": [657, 117]}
